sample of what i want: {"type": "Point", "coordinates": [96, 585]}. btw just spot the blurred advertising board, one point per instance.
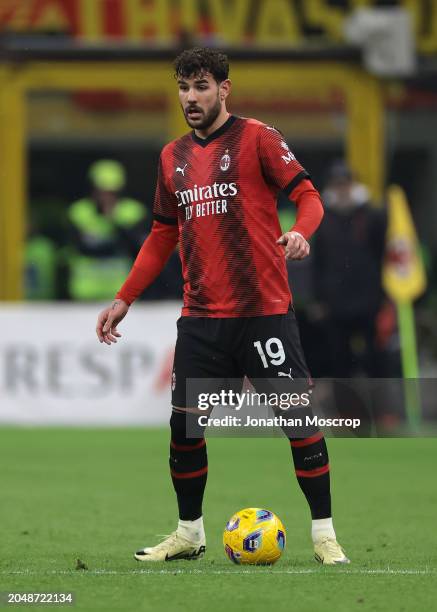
{"type": "Point", "coordinates": [236, 23]}
{"type": "Point", "coordinates": [55, 372]}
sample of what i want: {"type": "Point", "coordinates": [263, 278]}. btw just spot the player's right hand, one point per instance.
{"type": "Point", "coordinates": [108, 319]}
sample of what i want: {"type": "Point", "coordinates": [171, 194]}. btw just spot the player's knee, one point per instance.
{"type": "Point", "coordinates": [188, 456]}
{"type": "Point", "coordinates": [185, 428]}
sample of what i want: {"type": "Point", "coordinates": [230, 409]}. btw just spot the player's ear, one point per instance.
{"type": "Point", "coordinates": [225, 89]}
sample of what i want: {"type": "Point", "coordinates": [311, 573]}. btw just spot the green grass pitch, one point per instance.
{"type": "Point", "coordinates": [98, 495]}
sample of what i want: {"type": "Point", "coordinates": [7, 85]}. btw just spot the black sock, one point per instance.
{"type": "Point", "coordinates": [311, 463]}
{"type": "Point", "coordinates": [188, 466]}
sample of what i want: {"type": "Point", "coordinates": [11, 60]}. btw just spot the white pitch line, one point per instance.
{"type": "Point", "coordinates": [257, 572]}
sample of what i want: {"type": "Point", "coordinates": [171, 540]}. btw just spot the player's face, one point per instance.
{"type": "Point", "coordinates": [201, 98]}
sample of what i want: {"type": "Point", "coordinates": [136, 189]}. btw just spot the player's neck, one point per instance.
{"type": "Point", "coordinates": [221, 119]}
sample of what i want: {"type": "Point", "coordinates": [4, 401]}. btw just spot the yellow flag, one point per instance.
{"type": "Point", "coordinates": [403, 274]}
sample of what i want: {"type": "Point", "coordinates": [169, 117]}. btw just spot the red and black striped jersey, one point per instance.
{"type": "Point", "coordinates": [221, 192]}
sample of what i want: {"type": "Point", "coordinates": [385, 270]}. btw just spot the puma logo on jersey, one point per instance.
{"type": "Point", "coordinates": [286, 374]}
{"type": "Point", "coordinates": [181, 170]}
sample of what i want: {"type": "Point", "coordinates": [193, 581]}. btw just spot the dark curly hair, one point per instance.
{"type": "Point", "coordinates": [202, 59]}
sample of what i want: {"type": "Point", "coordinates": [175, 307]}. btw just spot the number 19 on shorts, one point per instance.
{"type": "Point", "coordinates": [273, 352]}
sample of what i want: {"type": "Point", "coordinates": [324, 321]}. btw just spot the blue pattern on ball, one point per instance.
{"type": "Point", "coordinates": [232, 525]}
{"type": "Point", "coordinates": [234, 557]}
{"type": "Point", "coordinates": [253, 541]}
{"type": "Point", "coordinates": [280, 538]}
{"type": "Point", "coordinates": [263, 515]}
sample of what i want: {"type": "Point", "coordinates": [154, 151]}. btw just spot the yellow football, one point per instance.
{"type": "Point", "coordinates": [254, 536]}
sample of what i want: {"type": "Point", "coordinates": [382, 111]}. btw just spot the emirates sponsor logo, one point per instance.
{"type": "Point", "coordinates": [205, 192]}
{"type": "Point", "coordinates": [206, 200]}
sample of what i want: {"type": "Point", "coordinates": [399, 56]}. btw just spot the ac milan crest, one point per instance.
{"type": "Point", "coordinates": [225, 161]}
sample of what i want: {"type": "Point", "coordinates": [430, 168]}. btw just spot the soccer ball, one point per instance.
{"type": "Point", "coordinates": [254, 536]}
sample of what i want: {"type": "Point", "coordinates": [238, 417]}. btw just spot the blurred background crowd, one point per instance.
{"type": "Point", "coordinates": [91, 151]}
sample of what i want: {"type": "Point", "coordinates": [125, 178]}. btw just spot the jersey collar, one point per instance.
{"type": "Point", "coordinates": [203, 142]}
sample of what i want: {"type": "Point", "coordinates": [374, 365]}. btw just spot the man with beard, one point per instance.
{"type": "Point", "coordinates": [216, 194]}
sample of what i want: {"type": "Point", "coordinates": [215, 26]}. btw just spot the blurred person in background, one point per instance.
{"type": "Point", "coordinates": [40, 265]}
{"type": "Point", "coordinates": [107, 230]}
{"type": "Point", "coordinates": [348, 258]}
{"type": "Point", "coordinates": [45, 249]}
{"type": "Point", "coordinates": [301, 281]}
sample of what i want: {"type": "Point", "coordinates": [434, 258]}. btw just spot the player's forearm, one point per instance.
{"type": "Point", "coordinates": [309, 208]}
{"type": "Point", "coordinates": [150, 261]}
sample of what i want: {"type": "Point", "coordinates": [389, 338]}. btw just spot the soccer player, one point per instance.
{"type": "Point", "coordinates": [216, 194]}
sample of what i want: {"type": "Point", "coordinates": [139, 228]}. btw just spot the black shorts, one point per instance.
{"type": "Point", "coordinates": [266, 347]}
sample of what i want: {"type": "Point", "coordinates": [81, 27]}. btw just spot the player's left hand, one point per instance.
{"type": "Point", "coordinates": [296, 247]}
